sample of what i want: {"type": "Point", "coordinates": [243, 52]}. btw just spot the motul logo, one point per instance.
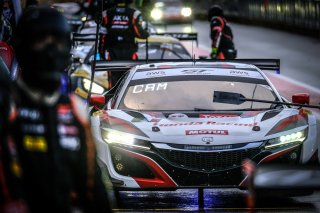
{"type": "Point", "coordinates": [207, 132]}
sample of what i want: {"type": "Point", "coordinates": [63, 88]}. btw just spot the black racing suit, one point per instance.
{"type": "Point", "coordinates": [123, 25]}
{"type": "Point", "coordinates": [57, 154]}
{"type": "Point", "coordinates": [222, 39]}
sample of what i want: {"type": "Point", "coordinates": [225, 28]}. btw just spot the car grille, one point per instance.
{"type": "Point", "coordinates": [208, 161]}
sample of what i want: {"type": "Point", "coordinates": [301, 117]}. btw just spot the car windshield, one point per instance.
{"type": "Point", "coordinates": [169, 3]}
{"type": "Point", "coordinates": [193, 93]}
{"type": "Point", "coordinates": [163, 51]}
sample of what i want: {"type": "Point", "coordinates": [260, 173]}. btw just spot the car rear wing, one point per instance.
{"type": "Point", "coordinates": [181, 36]}
{"type": "Point", "coordinates": [83, 37]}
{"type": "Point", "coordinates": [90, 37]}
{"type": "Point", "coordinates": [114, 66]}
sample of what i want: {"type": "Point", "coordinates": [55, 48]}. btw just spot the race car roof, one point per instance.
{"type": "Point", "coordinates": [197, 64]}
{"type": "Point", "coordinates": [200, 68]}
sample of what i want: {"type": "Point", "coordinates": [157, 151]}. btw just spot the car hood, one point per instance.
{"type": "Point", "coordinates": [197, 128]}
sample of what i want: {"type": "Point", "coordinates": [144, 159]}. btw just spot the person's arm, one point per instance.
{"type": "Point", "coordinates": [137, 26]}
{"type": "Point", "coordinates": [103, 37]}
{"type": "Point", "coordinates": [92, 193]}
{"type": "Point", "coordinates": [11, 189]}
{"type": "Point", "coordinates": [216, 25]}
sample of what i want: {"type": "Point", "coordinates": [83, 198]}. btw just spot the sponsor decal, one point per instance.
{"type": "Point", "coordinates": [11, 146]}
{"type": "Point", "coordinates": [217, 115]}
{"type": "Point", "coordinates": [239, 73]}
{"type": "Point", "coordinates": [305, 112]}
{"type": "Point", "coordinates": [16, 168]}
{"type": "Point", "coordinates": [155, 120]}
{"type": "Point", "coordinates": [65, 113]}
{"type": "Point", "coordinates": [177, 115]}
{"type": "Point", "coordinates": [29, 114]}
{"type": "Point", "coordinates": [230, 124]}
{"type": "Point", "coordinates": [207, 140]}
{"type": "Point", "coordinates": [204, 72]}
{"type": "Point", "coordinates": [207, 148]}
{"type": "Point", "coordinates": [120, 22]}
{"type": "Point", "coordinates": [33, 128]}
{"type": "Point", "coordinates": [155, 74]}
{"type": "Point", "coordinates": [205, 123]}
{"type": "Point", "coordinates": [120, 18]}
{"type": "Point", "coordinates": [81, 93]}
{"type": "Point", "coordinates": [165, 66]}
{"type": "Point", "coordinates": [67, 130]}
{"type": "Point", "coordinates": [207, 132]}
{"type": "Point", "coordinates": [180, 124]}
{"type": "Point", "coordinates": [155, 114]}
{"type": "Point", "coordinates": [249, 114]}
{"type": "Point", "coordinates": [35, 143]}
{"type": "Point", "coordinates": [150, 88]}
{"type": "Point", "coordinates": [70, 143]}
{"type": "Point", "coordinates": [99, 113]}
{"type": "Point", "coordinates": [195, 71]}
{"type": "Point", "coordinates": [64, 108]}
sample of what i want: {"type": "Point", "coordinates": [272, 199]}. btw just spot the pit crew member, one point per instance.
{"type": "Point", "coordinates": [221, 35]}
{"type": "Point", "coordinates": [50, 130]}
{"type": "Point", "coordinates": [123, 25]}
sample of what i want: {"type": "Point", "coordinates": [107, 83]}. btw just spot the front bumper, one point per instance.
{"type": "Point", "coordinates": [152, 169]}
{"type": "Point", "coordinates": [173, 19]}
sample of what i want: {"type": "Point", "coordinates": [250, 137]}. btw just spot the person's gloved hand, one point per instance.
{"type": "Point", "coordinates": [214, 52]}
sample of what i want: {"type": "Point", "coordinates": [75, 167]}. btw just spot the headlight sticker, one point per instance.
{"type": "Point", "coordinates": [293, 138]}
{"type": "Point", "coordinates": [97, 89]}
{"type": "Point", "coordinates": [289, 123]}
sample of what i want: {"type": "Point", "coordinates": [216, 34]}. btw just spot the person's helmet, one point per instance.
{"type": "Point", "coordinates": [215, 10]}
{"type": "Point", "coordinates": [42, 44]}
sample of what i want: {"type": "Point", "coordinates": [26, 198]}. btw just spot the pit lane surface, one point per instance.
{"type": "Point", "coordinates": [215, 200]}
{"type": "Point", "coordinates": [299, 55]}
{"type": "Point", "coordinates": [300, 72]}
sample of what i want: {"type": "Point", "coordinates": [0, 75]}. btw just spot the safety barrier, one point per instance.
{"type": "Point", "coordinates": [298, 15]}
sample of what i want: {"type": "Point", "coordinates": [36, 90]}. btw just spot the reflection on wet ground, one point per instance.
{"type": "Point", "coordinates": [215, 200]}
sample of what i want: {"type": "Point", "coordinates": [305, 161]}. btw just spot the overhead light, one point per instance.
{"type": "Point", "coordinates": [186, 11]}
{"type": "Point", "coordinates": [156, 14]}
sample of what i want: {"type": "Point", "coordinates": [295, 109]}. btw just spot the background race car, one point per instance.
{"type": "Point", "coordinates": [157, 133]}
{"type": "Point", "coordinates": [160, 47]}
{"type": "Point", "coordinates": [171, 11]}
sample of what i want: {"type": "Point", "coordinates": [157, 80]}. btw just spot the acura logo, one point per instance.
{"type": "Point", "coordinates": [207, 140]}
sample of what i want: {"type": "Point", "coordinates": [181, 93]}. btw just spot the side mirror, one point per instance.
{"type": "Point", "coordinates": [97, 100]}
{"type": "Point", "coordinates": [301, 98]}
{"type": "Point", "coordinates": [76, 60]}
{"type": "Point", "coordinates": [202, 57]}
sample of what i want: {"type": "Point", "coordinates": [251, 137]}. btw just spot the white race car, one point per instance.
{"type": "Point", "coordinates": [193, 124]}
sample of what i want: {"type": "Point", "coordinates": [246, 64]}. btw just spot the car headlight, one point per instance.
{"type": "Point", "coordinates": [293, 138]}
{"type": "Point", "coordinates": [84, 18]}
{"type": "Point", "coordinates": [156, 14]}
{"type": "Point", "coordinates": [96, 89]}
{"type": "Point", "coordinates": [186, 11]}
{"type": "Point", "coordinates": [125, 139]}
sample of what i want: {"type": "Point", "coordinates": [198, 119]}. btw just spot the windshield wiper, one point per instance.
{"type": "Point", "coordinates": [237, 99]}
{"type": "Point", "coordinates": [249, 109]}
{"type": "Point", "coordinates": [230, 110]}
